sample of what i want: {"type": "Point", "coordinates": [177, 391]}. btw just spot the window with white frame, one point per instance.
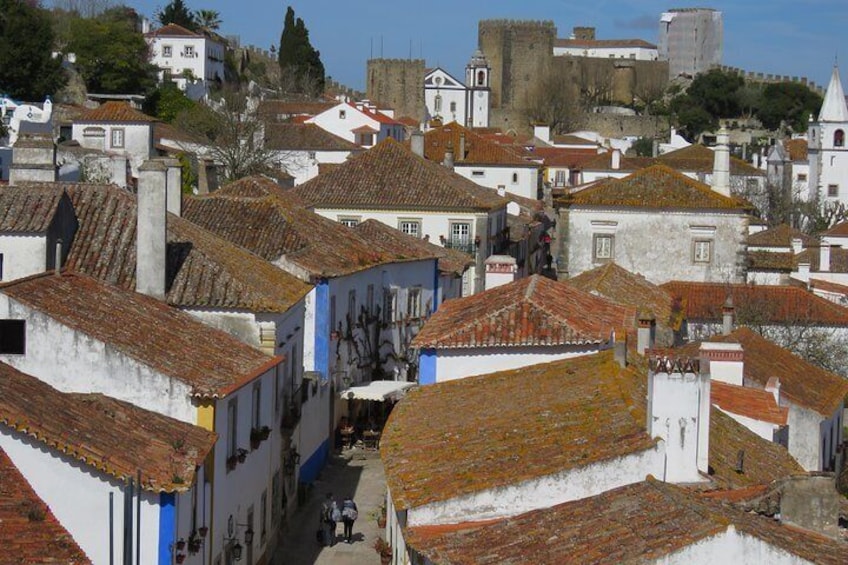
{"type": "Point", "coordinates": [438, 103]}
{"type": "Point", "coordinates": [232, 422]}
{"type": "Point", "coordinates": [342, 114]}
{"type": "Point", "coordinates": [349, 221]}
{"type": "Point", "coordinates": [351, 305]}
{"type": "Point", "coordinates": [188, 51]}
{"type": "Point", "coordinates": [460, 232]}
{"type": "Point", "coordinates": [559, 177]}
{"type": "Point", "coordinates": [453, 107]}
{"type": "Point", "coordinates": [117, 138]}
{"type": "Point", "coordinates": [603, 247]}
{"type": "Point", "coordinates": [167, 50]}
{"type": "Point", "coordinates": [702, 250]}
{"type": "Point", "coordinates": [413, 302]}
{"type": "Point", "coordinates": [833, 190]}
{"type": "Point", "coordinates": [411, 227]}
{"type": "Point", "coordinates": [802, 177]}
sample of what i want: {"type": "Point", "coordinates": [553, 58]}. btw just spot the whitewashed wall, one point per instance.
{"type": "Point", "coordinates": [731, 546]}
{"type": "Point", "coordinates": [526, 181]}
{"type": "Point", "coordinates": [634, 53]}
{"type": "Point", "coordinates": [138, 140]}
{"type": "Point", "coordinates": [464, 362]}
{"type": "Point", "coordinates": [659, 244]}
{"type": "Point", "coordinates": [23, 255]}
{"type": "Point", "coordinates": [304, 165]}
{"type": "Point", "coordinates": [543, 492]}
{"type": "Point", "coordinates": [763, 429]}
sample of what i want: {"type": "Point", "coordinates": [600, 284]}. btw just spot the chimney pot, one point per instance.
{"type": "Point", "coordinates": [151, 218]}
{"type": "Point", "coordinates": [721, 164]}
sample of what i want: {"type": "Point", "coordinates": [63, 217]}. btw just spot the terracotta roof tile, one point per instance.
{"type": "Point", "coordinates": [829, 286]}
{"type": "Point", "coordinates": [745, 401]}
{"type": "Point", "coordinates": [582, 412]}
{"type": "Point", "coordinates": [305, 137]}
{"type": "Point", "coordinates": [274, 108]}
{"type": "Point", "coordinates": [478, 151]}
{"type": "Point", "coordinates": [840, 229]}
{"type": "Point", "coordinates": [640, 523]}
{"type": "Point", "coordinates": [203, 270]}
{"type": "Point", "coordinates": [762, 260]}
{"type": "Point", "coordinates": [768, 303]}
{"type": "Point", "coordinates": [398, 244]}
{"type": "Point", "coordinates": [29, 209]}
{"type": "Point", "coordinates": [114, 111]}
{"type": "Point", "coordinates": [619, 285]}
{"type": "Point", "coordinates": [603, 162]}
{"type": "Point", "coordinates": [797, 149]}
{"type": "Point", "coordinates": [173, 30]}
{"type": "Point", "coordinates": [655, 187]}
{"type": "Point", "coordinates": [699, 159]}
{"type": "Point", "coordinates": [530, 311]}
{"type": "Point", "coordinates": [568, 139]}
{"type": "Point", "coordinates": [109, 435]}
{"type": "Point", "coordinates": [257, 215]}
{"type": "Point", "coordinates": [376, 115]}
{"type": "Point", "coordinates": [391, 177]}
{"type": "Point", "coordinates": [801, 382]}
{"type": "Point", "coordinates": [166, 339]}
{"type": "Point", "coordinates": [812, 256]}
{"type": "Point", "coordinates": [30, 532]}
{"type": "Point", "coordinates": [563, 157]}
{"type": "Point", "coordinates": [780, 236]}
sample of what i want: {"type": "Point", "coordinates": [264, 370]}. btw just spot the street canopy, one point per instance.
{"type": "Point", "coordinates": [379, 391]}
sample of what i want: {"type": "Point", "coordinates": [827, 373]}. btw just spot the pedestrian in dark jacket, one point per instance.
{"type": "Point", "coordinates": [349, 516]}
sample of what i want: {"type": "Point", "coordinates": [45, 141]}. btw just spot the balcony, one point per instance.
{"type": "Point", "coordinates": [464, 245]}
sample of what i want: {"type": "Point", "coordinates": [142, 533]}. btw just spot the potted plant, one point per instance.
{"type": "Point", "coordinates": [255, 438]}
{"type": "Point", "coordinates": [180, 544]}
{"type": "Point", "coordinates": [194, 543]}
{"type": "Point", "coordinates": [264, 433]}
{"type": "Point", "coordinates": [232, 461]}
{"type": "Point", "coordinates": [180, 557]}
{"type": "Point", "coordinates": [202, 531]}
{"type": "Point", "coordinates": [384, 550]}
{"type": "Point", "coordinates": [241, 454]}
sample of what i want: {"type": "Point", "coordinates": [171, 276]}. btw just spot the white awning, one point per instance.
{"type": "Point", "coordinates": [377, 390]}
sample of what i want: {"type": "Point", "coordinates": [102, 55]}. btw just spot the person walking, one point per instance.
{"type": "Point", "coordinates": [349, 516]}
{"type": "Point", "coordinates": [328, 525]}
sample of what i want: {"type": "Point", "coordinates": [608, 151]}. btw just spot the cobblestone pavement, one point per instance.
{"type": "Point", "coordinates": [356, 472]}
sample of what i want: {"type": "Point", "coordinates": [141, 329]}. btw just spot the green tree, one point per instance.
{"type": "Point", "coordinates": [717, 92]}
{"type": "Point", "coordinates": [28, 70]}
{"type": "Point", "coordinates": [788, 102]}
{"type": "Point", "coordinates": [300, 64]}
{"type": "Point", "coordinates": [643, 147]}
{"type": "Point", "coordinates": [112, 57]}
{"type": "Point", "coordinates": [176, 12]}
{"type": "Point", "coordinates": [167, 102]}
{"type": "Point", "coordinates": [209, 19]}
{"type": "Point", "coordinates": [692, 119]}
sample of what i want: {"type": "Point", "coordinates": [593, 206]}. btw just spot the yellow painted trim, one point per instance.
{"type": "Point", "coordinates": [206, 415]}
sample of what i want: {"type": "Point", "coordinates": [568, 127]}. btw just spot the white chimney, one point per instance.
{"type": "Point", "coordinates": [773, 386]}
{"type": "Point", "coordinates": [726, 361]}
{"type": "Point", "coordinates": [728, 313]}
{"type": "Point", "coordinates": [500, 270]}
{"type": "Point", "coordinates": [721, 163]}
{"type": "Point", "coordinates": [645, 332]}
{"type": "Point", "coordinates": [542, 131]}
{"type": "Point", "coordinates": [824, 257]}
{"type": "Point", "coordinates": [448, 162]}
{"type": "Point", "coordinates": [615, 159]}
{"type": "Point", "coordinates": [679, 414]}
{"type": "Point", "coordinates": [174, 186]}
{"type": "Point", "coordinates": [417, 143]}
{"type": "Point", "coordinates": [461, 155]}
{"type": "Point", "coordinates": [797, 245]}
{"type": "Point", "coordinates": [151, 229]}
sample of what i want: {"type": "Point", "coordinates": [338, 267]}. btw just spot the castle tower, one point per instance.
{"type": "Point", "coordinates": [827, 151]}
{"type": "Point", "coordinates": [397, 84]}
{"type": "Point", "coordinates": [477, 97]}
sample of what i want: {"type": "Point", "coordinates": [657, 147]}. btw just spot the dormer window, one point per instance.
{"type": "Point", "coordinates": [839, 138]}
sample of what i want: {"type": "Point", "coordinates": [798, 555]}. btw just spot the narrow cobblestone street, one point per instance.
{"type": "Point", "coordinates": [357, 472]}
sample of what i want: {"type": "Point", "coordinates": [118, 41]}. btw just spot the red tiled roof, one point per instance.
{"type": "Point", "coordinates": [750, 402]}
{"type": "Point", "coordinates": [801, 382]}
{"type": "Point", "coordinates": [780, 236]}
{"type": "Point", "coordinates": [644, 522]}
{"type": "Point", "coordinates": [797, 149]}
{"type": "Point", "coordinates": [30, 209]}
{"type": "Point", "coordinates": [623, 287]}
{"type": "Point", "coordinates": [478, 151]}
{"type": "Point", "coordinates": [210, 361]}
{"type": "Point", "coordinates": [376, 115]}
{"type": "Point", "coordinates": [568, 139]}
{"type": "Point", "coordinates": [273, 108]}
{"type": "Point", "coordinates": [603, 43]}
{"type": "Point", "coordinates": [829, 286]}
{"type": "Point", "coordinates": [603, 162]}
{"type": "Point", "coordinates": [533, 311]}
{"type": "Point", "coordinates": [365, 129]}
{"type": "Point", "coordinates": [840, 229]}
{"type": "Point", "coordinates": [30, 532]}
{"type": "Point", "coordinates": [394, 242]}
{"type": "Point", "coordinates": [760, 303]}
{"type": "Point", "coordinates": [564, 157]}
{"type": "Point", "coordinates": [305, 137]}
{"type": "Point", "coordinates": [109, 435]}
{"type": "Point", "coordinates": [762, 260]}
{"type": "Point", "coordinates": [392, 177]}
{"type": "Point", "coordinates": [700, 159]}
{"type": "Point", "coordinates": [114, 111]}
{"type": "Point", "coordinates": [173, 30]}
{"type": "Point", "coordinates": [655, 187]}
{"type": "Point", "coordinates": [203, 270]}
{"type": "Point", "coordinates": [447, 440]}
{"type": "Point", "coordinates": [257, 215]}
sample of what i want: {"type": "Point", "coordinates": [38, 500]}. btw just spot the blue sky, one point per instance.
{"type": "Point", "coordinates": [786, 37]}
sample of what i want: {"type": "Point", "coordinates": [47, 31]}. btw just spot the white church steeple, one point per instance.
{"type": "Point", "coordinates": [834, 108]}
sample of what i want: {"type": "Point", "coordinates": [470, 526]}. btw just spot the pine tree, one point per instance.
{"type": "Point", "coordinates": [176, 12]}
{"type": "Point", "coordinates": [300, 63]}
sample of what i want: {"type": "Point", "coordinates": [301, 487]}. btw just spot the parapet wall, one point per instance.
{"type": "Point", "coordinates": [765, 78]}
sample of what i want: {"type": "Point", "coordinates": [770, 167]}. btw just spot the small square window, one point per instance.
{"type": "Point", "coordinates": [349, 221]}
{"type": "Point", "coordinates": [189, 51]}
{"type": "Point", "coordinates": [702, 251]}
{"type": "Point", "coordinates": [802, 177]}
{"type": "Point", "coordinates": [13, 337]}
{"type": "Point", "coordinates": [167, 51]}
{"type": "Point", "coordinates": [603, 247]}
{"type": "Point", "coordinates": [833, 190]}
{"type": "Point", "coordinates": [478, 174]}
{"type": "Point", "coordinates": [411, 227]}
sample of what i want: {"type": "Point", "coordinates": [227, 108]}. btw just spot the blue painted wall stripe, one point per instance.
{"type": "Point", "coordinates": [427, 367]}
{"type": "Point", "coordinates": [167, 526]}
{"type": "Point", "coordinates": [313, 465]}
{"type": "Point", "coordinates": [322, 328]}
